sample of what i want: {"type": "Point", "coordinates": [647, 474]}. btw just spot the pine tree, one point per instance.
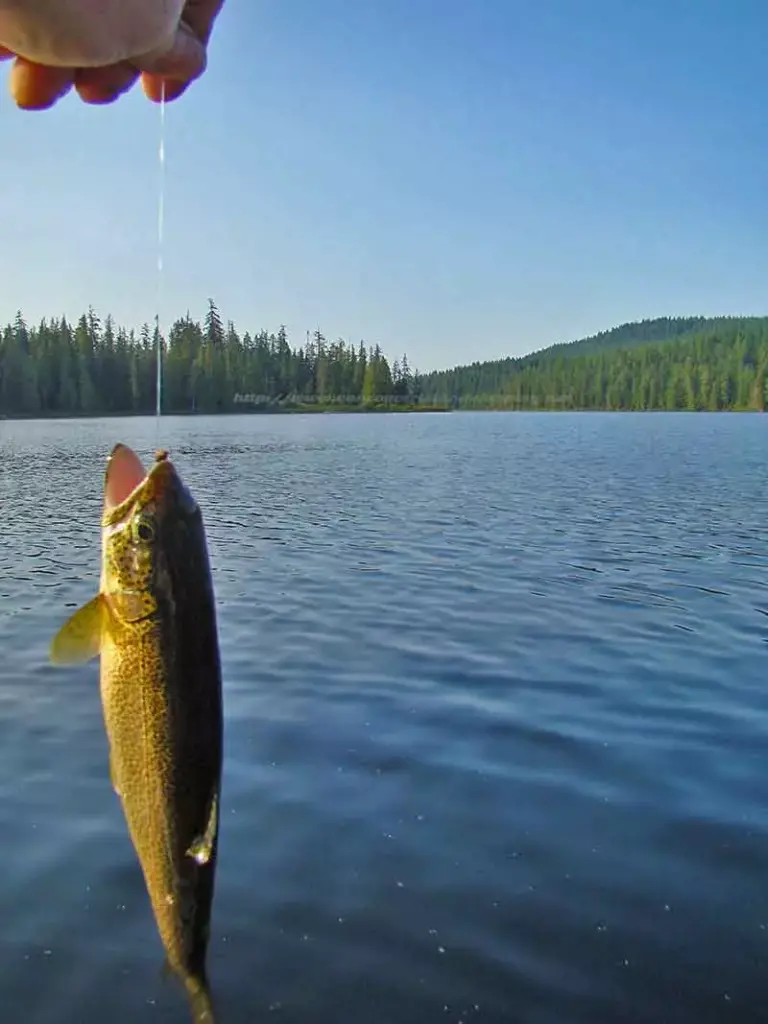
{"type": "Point", "coordinates": [100, 367]}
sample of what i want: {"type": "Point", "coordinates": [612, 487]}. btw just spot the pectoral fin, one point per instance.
{"type": "Point", "coordinates": [202, 846]}
{"type": "Point", "coordinates": [79, 639]}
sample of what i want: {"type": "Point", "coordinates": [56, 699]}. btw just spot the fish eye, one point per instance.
{"type": "Point", "coordinates": [144, 530]}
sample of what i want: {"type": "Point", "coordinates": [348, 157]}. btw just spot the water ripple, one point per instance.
{"type": "Point", "coordinates": [495, 722]}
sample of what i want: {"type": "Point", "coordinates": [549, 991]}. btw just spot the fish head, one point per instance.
{"type": "Point", "coordinates": [144, 513]}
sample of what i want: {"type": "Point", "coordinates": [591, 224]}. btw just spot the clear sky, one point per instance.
{"type": "Point", "coordinates": [457, 179]}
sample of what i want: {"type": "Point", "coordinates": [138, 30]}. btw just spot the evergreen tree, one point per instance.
{"type": "Point", "coordinates": [689, 363]}
{"type": "Point", "coordinates": [98, 367]}
{"type": "Point", "coordinates": [102, 368]}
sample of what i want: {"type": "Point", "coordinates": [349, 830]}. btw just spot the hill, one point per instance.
{"type": "Point", "coordinates": [692, 363]}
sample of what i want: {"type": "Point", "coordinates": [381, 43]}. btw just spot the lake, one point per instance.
{"type": "Point", "coordinates": [496, 700]}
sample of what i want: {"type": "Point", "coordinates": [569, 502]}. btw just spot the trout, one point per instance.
{"type": "Point", "coordinates": [153, 624]}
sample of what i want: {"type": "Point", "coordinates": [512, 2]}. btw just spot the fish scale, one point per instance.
{"type": "Point", "coordinates": [153, 624]}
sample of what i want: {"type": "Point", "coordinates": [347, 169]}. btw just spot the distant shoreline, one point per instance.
{"type": "Point", "coordinates": [59, 371]}
{"type": "Point", "coordinates": [321, 410]}
{"type": "Point", "coordinates": [275, 410]}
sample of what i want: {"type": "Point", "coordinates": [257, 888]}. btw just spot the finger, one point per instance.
{"type": "Point", "coordinates": [184, 61]}
{"type": "Point", "coordinates": [105, 85]}
{"type": "Point", "coordinates": [35, 87]}
{"type": "Point", "coordinates": [201, 15]}
{"type": "Point", "coordinates": [153, 87]}
{"type": "Point", "coordinates": [187, 58]}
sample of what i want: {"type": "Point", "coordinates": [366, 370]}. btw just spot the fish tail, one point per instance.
{"type": "Point", "coordinates": [200, 1001]}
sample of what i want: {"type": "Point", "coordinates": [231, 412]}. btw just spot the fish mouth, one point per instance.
{"type": "Point", "coordinates": [128, 485]}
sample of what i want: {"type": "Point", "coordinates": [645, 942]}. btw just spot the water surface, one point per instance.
{"type": "Point", "coordinates": [496, 715]}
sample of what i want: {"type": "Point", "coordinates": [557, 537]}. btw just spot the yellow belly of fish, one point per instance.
{"type": "Point", "coordinates": [137, 720]}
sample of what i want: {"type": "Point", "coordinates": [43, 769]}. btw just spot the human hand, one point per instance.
{"type": "Point", "coordinates": [58, 44]}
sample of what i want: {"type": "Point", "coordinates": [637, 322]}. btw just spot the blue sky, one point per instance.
{"type": "Point", "coordinates": [457, 179]}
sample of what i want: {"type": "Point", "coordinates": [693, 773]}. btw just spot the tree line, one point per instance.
{"type": "Point", "coordinates": [666, 364]}
{"type": "Point", "coordinates": [97, 368]}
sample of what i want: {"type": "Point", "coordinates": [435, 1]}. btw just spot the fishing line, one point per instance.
{"type": "Point", "coordinates": [159, 365]}
{"type": "Point", "coordinates": [160, 234]}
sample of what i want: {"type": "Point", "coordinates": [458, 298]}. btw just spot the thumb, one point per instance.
{"type": "Point", "coordinates": [184, 60]}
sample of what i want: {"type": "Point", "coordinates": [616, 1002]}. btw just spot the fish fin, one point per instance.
{"type": "Point", "coordinates": [201, 847]}
{"type": "Point", "coordinates": [200, 1002]}
{"type": "Point", "coordinates": [79, 639]}
{"type": "Point", "coordinates": [198, 992]}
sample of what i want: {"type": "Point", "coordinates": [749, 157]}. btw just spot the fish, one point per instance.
{"type": "Point", "coordinates": [153, 625]}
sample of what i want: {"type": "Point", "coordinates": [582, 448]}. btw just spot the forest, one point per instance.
{"type": "Point", "coordinates": [97, 368]}
{"type": "Point", "coordinates": [93, 368]}
{"type": "Point", "coordinates": [692, 364]}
